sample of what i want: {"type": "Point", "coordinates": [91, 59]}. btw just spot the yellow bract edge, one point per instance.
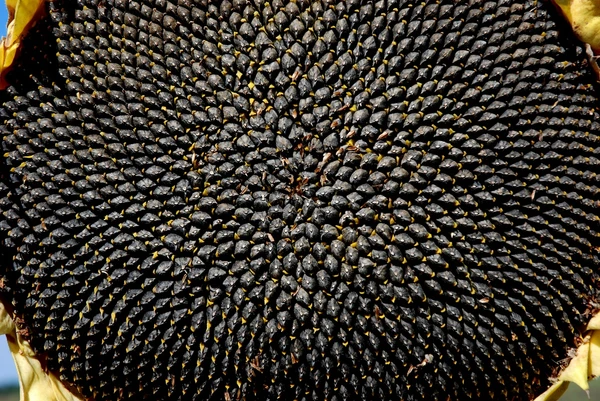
{"type": "Point", "coordinates": [582, 368]}
{"type": "Point", "coordinates": [584, 18]}
{"type": "Point", "coordinates": [22, 15]}
{"type": "Point", "coordinates": [36, 383]}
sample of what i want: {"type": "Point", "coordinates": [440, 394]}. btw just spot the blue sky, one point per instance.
{"type": "Point", "coordinates": [3, 17]}
{"type": "Point", "coordinates": [8, 373]}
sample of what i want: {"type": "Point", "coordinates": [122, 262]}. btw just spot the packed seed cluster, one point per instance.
{"type": "Point", "coordinates": [300, 200]}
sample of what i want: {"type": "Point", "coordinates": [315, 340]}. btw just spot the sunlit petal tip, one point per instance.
{"type": "Point", "coordinates": [22, 15]}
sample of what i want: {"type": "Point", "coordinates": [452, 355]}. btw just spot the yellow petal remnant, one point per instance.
{"type": "Point", "coordinates": [584, 366]}
{"type": "Point", "coordinates": [584, 17]}
{"type": "Point", "coordinates": [36, 383]}
{"type": "Point", "coordinates": [22, 15]}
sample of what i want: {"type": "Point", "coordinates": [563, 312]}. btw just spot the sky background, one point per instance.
{"type": "Point", "coordinates": [8, 374]}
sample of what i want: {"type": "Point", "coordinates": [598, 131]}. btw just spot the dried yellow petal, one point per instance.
{"type": "Point", "coordinates": [584, 17]}
{"type": "Point", "coordinates": [36, 383]}
{"type": "Point", "coordinates": [22, 15]}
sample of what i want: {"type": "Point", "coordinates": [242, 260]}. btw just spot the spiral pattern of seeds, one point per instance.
{"type": "Point", "coordinates": [301, 200]}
